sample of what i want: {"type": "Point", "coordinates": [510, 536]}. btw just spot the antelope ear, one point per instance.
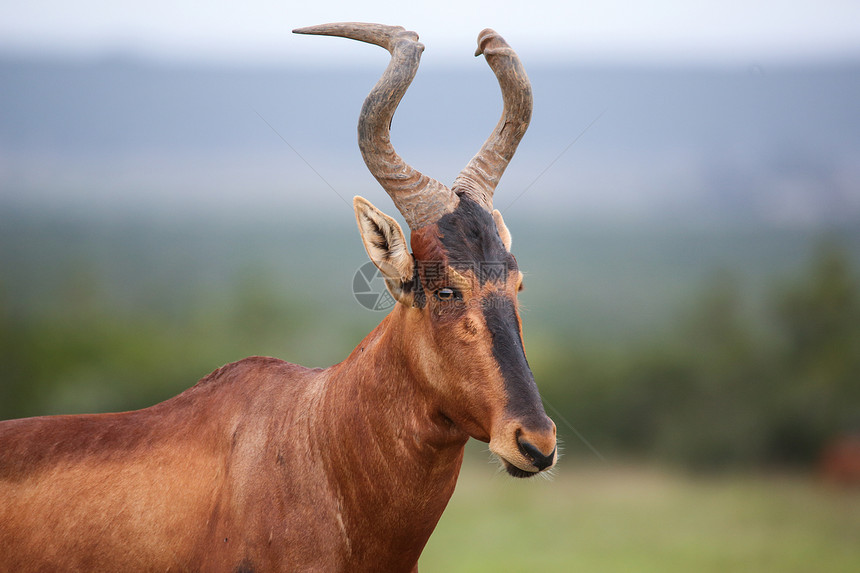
{"type": "Point", "coordinates": [386, 245]}
{"type": "Point", "coordinates": [503, 230]}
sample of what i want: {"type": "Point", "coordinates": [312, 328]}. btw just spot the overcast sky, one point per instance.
{"type": "Point", "coordinates": [721, 31]}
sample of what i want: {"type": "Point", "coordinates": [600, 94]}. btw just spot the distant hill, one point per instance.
{"type": "Point", "coordinates": [772, 144]}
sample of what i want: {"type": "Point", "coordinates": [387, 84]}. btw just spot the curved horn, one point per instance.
{"type": "Point", "coordinates": [421, 199]}
{"type": "Point", "coordinates": [480, 177]}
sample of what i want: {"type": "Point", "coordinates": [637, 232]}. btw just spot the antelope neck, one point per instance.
{"type": "Point", "coordinates": [384, 436]}
{"type": "Point", "coordinates": [381, 391]}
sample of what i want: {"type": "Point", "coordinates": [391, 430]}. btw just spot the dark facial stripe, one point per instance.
{"type": "Point", "coordinates": [503, 323]}
{"type": "Point", "coordinates": [471, 242]}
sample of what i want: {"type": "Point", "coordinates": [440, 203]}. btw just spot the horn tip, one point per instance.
{"type": "Point", "coordinates": [489, 41]}
{"type": "Point", "coordinates": [307, 30]}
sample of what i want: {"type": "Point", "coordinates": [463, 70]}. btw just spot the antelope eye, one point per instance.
{"type": "Point", "coordinates": [446, 294]}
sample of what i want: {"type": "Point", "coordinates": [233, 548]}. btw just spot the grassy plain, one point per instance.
{"type": "Point", "coordinates": [644, 519]}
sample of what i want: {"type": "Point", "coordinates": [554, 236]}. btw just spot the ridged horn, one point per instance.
{"type": "Point", "coordinates": [421, 199]}
{"type": "Point", "coordinates": [480, 177]}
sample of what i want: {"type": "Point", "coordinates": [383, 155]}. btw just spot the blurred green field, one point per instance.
{"type": "Point", "coordinates": [643, 519]}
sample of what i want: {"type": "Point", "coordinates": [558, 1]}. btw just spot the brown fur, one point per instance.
{"type": "Point", "coordinates": [262, 462]}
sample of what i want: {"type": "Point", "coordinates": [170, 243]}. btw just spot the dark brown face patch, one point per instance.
{"type": "Point", "coordinates": [462, 251]}
{"type": "Point", "coordinates": [471, 242]}
{"type": "Point", "coordinates": [464, 243]}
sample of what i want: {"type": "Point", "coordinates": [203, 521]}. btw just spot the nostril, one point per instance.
{"type": "Point", "coordinates": [537, 457]}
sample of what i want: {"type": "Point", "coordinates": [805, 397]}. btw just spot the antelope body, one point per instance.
{"type": "Point", "coordinates": [269, 466]}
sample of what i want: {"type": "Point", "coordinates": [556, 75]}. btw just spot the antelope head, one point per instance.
{"type": "Point", "coordinates": [457, 288]}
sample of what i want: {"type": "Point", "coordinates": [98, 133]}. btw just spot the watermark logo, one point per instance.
{"type": "Point", "coordinates": [368, 288]}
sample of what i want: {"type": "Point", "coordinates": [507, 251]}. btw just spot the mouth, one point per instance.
{"type": "Point", "coordinates": [516, 471]}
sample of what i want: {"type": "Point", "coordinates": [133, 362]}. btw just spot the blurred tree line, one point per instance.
{"type": "Point", "coordinates": [725, 388]}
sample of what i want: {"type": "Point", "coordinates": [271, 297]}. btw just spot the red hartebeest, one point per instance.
{"type": "Point", "coordinates": [269, 466]}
